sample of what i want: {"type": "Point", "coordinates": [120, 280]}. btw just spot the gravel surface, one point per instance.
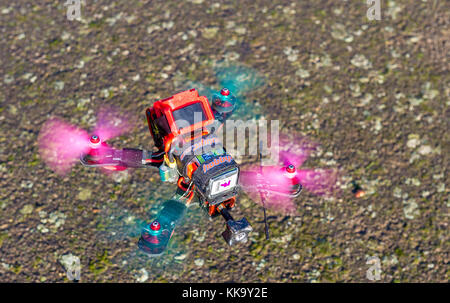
{"type": "Point", "coordinates": [374, 94]}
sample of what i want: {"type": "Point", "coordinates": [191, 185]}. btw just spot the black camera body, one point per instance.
{"type": "Point", "coordinates": [216, 180]}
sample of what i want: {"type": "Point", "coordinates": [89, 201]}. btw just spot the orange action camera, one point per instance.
{"type": "Point", "coordinates": [180, 114]}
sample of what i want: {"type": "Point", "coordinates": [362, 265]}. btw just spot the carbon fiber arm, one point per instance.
{"type": "Point", "coordinates": [127, 157]}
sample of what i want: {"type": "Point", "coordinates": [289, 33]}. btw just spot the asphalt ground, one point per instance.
{"type": "Point", "coordinates": [374, 94]}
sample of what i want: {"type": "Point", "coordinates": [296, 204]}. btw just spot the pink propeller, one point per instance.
{"type": "Point", "coordinates": [61, 144]}
{"type": "Point", "coordinates": [112, 123]}
{"type": "Point", "coordinates": [277, 184]}
{"type": "Point", "coordinates": [271, 183]}
{"type": "Point", "coordinates": [295, 152]}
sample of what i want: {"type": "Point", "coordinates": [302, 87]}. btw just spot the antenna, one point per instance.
{"type": "Point", "coordinates": [263, 198]}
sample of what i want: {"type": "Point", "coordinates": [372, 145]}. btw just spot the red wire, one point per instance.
{"type": "Point", "coordinates": [180, 180]}
{"type": "Point", "coordinates": [153, 161]}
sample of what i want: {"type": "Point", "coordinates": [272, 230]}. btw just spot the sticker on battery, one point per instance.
{"type": "Point", "coordinates": [224, 183]}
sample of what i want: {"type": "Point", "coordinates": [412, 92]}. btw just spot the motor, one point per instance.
{"type": "Point", "coordinates": [223, 104]}
{"type": "Point", "coordinates": [156, 235]}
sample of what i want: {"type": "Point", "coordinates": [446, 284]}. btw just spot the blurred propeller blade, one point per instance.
{"type": "Point", "coordinates": [279, 182]}
{"type": "Point", "coordinates": [112, 123]}
{"type": "Point", "coordinates": [61, 144]}
{"type": "Point", "coordinates": [238, 79]}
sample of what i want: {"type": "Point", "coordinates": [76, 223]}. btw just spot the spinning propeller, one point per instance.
{"type": "Point", "coordinates": [238, 79]}
{"type": "Point", "coordinates": [120, 224]}
{"type": "Point", "coordinates": [61, 144]}
{"type": "Point", "coordinates": [278, 185]}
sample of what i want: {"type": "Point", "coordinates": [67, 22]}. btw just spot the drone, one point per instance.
{"type": "Point", "coordinates": [187, 152]}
